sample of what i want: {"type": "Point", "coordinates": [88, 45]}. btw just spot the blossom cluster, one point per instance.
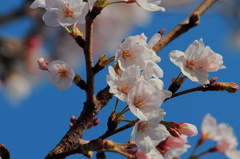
{"type": "Point", "coordinates": [68, 12]}
{"type": "Point", "coordinates": [138, 84]}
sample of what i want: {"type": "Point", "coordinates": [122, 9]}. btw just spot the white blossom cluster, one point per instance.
{"type": "Point", "coordinates": [139, 85]}
{"type": "Point", "coordinates": [68, 12]}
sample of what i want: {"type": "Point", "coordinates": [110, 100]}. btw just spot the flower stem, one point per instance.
{"type": "Point", "coordinates": [126, 121]}
{"type": "Point", "coordinates": [116, 105]}
{"type": "Point", "coordinates": [178, 75]}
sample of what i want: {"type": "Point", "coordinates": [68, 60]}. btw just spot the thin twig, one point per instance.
{"type": "Point", "coordinates": [184, 26]}
{"type": "Point", "coordinates": [108, 134]}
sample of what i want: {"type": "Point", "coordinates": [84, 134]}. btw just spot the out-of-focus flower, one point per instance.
{"type": "Point", "coordinates": [43, 63]}
{"type": "Point", "coordinates": [60, 74]}
{"type": "Point", "coordinates": [188, 129]}
{"type": "Point", "coordinates": [120, 86]}
{"type": "Point", "coordinates": [197, 61]}
{"type": "Point", "coordinates": [18, 87]}
{"type": "Point", "coordinates": [132, 50]}
{"type": "Point", "coordinates": [63, 12]}
{"type": "Point", "coordinates": [144, 99]}
{"type": "Point", "coordinates": [228, 142]}
{"type": "Point", "coordinates": [148, 134]}
{"type": "Point", "coordinates": [209, 128]}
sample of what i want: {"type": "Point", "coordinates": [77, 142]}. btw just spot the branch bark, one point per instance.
{"type": "Point", "coordinates": [89, 58]}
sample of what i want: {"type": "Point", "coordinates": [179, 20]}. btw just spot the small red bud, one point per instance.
{"type": "Point", "coordinates": [73, 119]}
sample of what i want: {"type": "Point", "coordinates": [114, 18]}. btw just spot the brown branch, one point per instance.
{"type": "Point", "coordinates": [89, 58]}
{"type": "Point", "coordinates": [218, 86]}
{"type": "Point", "coordinates": [79, 82]}
{"type": "Point", "coordinates": [72, 138]}
{"type": "Point", "coordinates": [184, 26]}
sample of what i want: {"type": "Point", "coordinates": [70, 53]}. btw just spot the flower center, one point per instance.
{"type": "Point", "coordinates": [140, 102]}
{"type": "Point", "coordinates": [128, 54]}
{"type": "Point", "coordinates": [192, 64]}
{"type": "Point", "coordinates": [144, 127]}
{"type": "Point", "coordinates": [68, 12]}
{"type": "Point", "coordinates": [63, 73]}
{"type": "Point", "coordinates": [124, 87]}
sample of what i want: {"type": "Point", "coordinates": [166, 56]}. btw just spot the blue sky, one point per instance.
{"type": "Point", "coordinates": [33, 128]}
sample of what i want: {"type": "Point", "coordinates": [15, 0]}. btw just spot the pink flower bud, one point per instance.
{"type": "Point", "coordinates": [174, 141]}
{"type": "Point", "coordinates": [163, 145]}
{"type": "Point", "coordinates": [95, 121]}
{"type": "Point", "coordinates": [188, 129]}
{"type": "Point", "coordinates": [73, 118]}
{"type": "Point", "coordinates": [43, 64]}
{"type": "Point", "coordinates": [143, 37]}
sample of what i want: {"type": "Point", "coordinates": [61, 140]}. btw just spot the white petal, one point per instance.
{"type": "Point", "coordinates": [144, 143]}
{"type": "Point", "coordinates": [178, 58]}
{"type": "Point", "coordinates": [50, 18]}
{"type": "Point", "coordinates": [38, 3]}
{"type": "Point", "coordinates": [153, 41]}
{"type": "Point", "coordinates": [159, 133]}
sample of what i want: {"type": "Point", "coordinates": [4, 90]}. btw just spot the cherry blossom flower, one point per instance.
{"type": "Point", "coordinates": [148, 134]}
{"type": "Point", "coordinates": [178, 146]}
{"type": "Point", "coordinates": [175, 141]}
{"type": "Point", "coordinates": [64, 12]}
{"type": "Point", "coordinates": [60, 74]}
{"type": "Point", "coordinates": [188, 129]}
{"type": "Point", "coordinates": [209, 128]}
{"type": "Point", "coordinates": [150, 5]}
{"type": "Point", "coordinates": [43, 64]}
{"type": "Point", "coordinates": [120, 86]}
{"type": "Point", "coordinates": [144, 99]}
{"type": "Point", "coordinates": [228, 142]}
{"type": "Point", "coordinates": [197, 61]}
{"type": "Point", "coordinates": [153, 154]}
{"type": "Point", "coordinates": [133, 50]}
